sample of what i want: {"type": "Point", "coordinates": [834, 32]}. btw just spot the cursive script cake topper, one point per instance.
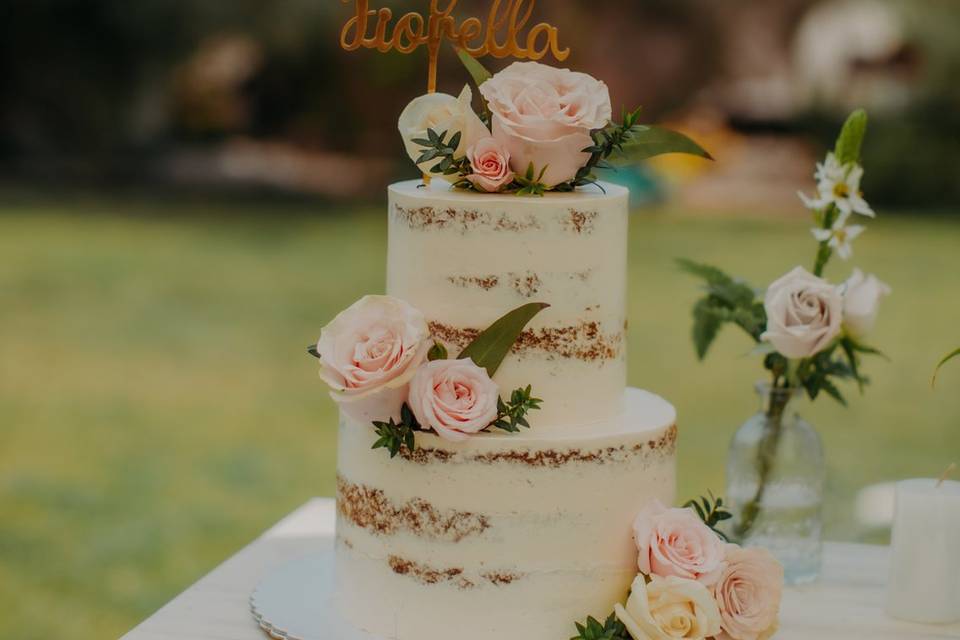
{"type": "Point", "coordinates": [505, 20]}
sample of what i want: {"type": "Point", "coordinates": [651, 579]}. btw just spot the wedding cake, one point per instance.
{"type": "Point", "coordinates": [517, 534]}
{"type": "Point", "coordinates": [496, 477]}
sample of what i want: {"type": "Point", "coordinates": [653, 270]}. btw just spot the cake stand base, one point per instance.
{"type": "Point", "coordinates": [295, 602]}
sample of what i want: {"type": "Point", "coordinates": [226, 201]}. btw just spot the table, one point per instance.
{"type": "Point", "coordinates": [846, 604]}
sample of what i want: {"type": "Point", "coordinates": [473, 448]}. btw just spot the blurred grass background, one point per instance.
{"type": "Point", "coordinates": [159, 410]}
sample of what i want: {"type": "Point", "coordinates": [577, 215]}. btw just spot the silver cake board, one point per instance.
{"type": "Point", "coordinates": [295, 601]}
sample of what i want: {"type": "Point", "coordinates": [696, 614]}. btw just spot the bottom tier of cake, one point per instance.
{"type": "Point", "coordinates": [505, 535]}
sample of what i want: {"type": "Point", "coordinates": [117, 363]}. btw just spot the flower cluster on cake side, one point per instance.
{"type": "Point", "coordinates": [383, 367]}
{"type": "Point", "coordinates": [540, 129]}
{"type": "Point", "coordinates": [692, 583]}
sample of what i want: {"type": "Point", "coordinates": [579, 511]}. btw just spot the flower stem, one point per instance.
{"type": "Point", "coordinates": [824, 252]}
{"type": "Point", "coordinates": [766, 460]}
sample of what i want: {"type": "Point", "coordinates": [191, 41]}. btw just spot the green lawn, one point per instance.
{"type": "Point", "coordinates": [157, 409]}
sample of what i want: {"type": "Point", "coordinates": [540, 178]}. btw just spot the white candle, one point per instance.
{"type": "Point", "coordinates": [925, 571]}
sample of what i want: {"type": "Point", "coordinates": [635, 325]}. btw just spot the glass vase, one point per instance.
{"type": "Point", "coordinates": [775, 478]}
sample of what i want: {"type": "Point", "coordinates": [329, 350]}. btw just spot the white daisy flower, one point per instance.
{"type": "Point", "coordinates": [840, 237]}
{"type": "Point", "coordinates": [838, 185]}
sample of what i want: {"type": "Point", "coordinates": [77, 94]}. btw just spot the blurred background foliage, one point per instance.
{"type": "Point", "coordinates": [242, 92]}
{"type": "Point", "coordinates": [190, 190]}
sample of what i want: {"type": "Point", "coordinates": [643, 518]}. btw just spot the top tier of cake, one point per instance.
{"type": "Point", "coordinates": [465, 259]}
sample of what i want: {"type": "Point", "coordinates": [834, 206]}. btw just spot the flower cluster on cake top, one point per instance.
{"type": "Point", "coordinates": [539, 129]}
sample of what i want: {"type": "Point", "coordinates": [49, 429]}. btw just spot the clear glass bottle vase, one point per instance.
{"type": "Point", "coordinates": [775, 478]}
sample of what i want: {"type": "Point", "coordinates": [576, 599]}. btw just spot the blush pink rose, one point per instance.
{"type": "Point", "coordinates": [455, 398]}
{"type": "Point", "coordinates": [544, 116]}
{"type": "Point", "coordinates": [369, 353]}
{"type": "Point", "coordinates": [748, 594]}
{"type": "Point", "coordinates": [804, 314]}
{"type": "Point", "coordinates": [491, 165]}
{"type": "Point", "coordinates": [675, 542]}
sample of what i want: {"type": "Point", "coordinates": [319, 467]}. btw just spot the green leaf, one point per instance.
{"type": "Point", "coordinates": [706, 326]}
{"type": "Point", "coordinates": [733, 292]}
{"type": "Point", "coordinates": [655, 141]}
{"type": "Point", "coordinates": [312, 350]}
{"type": "Point", "coordinates": [490, 347]}
{"type": "Point", "coordinates": [437, 352]}
{"type": "Point", "coordinates": [851, 137]}
{"type": "Point", "coordinates": [947, 358]}
{"type": "Point", "coordinates": [831, 390]}
{"type": "Point", "coordinates": [476, 70]}
{"type": "Point", "coordinates": [455, 140]}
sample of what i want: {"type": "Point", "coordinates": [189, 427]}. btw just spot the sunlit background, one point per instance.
{"type": "Point", "coordinates": [190, 190]}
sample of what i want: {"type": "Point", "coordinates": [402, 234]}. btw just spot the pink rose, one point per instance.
{"type": "Point", "coordinates": [455, 398]}
{"type": "Point", "coordinates": [491, 165]}
{"type": "Point", "coordinates": [675, 542]}
{"type": "Point", "coordinates": [748, 594]}
{"type": "Point", "coordinates": [369, 354]}
{"type": "Point", "coordinates": [543, 115]}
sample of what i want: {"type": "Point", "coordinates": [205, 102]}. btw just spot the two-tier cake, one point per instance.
{"type": "Point", "coordinates": [517, 534]}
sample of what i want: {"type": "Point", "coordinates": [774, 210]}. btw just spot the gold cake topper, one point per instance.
{"type": "Point", "coordinates": [412, 31]}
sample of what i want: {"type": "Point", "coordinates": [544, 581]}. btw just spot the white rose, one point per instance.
{"type": "Point", "coordinates": [804, 313]}
{"type": "Point", "coordinates": [455, 398]}
{"type": "Point", "coordinates": [861, 302]}
{"type": "Point", "coordinates": [442, 113]}
{"type": "Point", "coordinates": [669, 608]}
{"type": "Point", "coordinates": [369, 353]}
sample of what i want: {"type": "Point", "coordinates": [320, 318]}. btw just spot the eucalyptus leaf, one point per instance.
{"type": "Point", "coordinates": [947, 358]}
{"type": "Point", "coordinates": [851, 137]}
{"type": "Point", "coordinates": [490, 347]}
{"type": "Point", "coordinates": [655, 141]}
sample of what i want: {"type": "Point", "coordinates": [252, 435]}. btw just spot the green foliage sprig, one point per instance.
{"type": "Point", "coordinates": [592, 629]}
{"type": "Point", "coordinates": [437, 148]}
{"type": "Point", "coordinates": [727, 300]}
{"type": "Point", "coordinates": [530, 183]}
{"type": "Point", "coordinates": [712, 512]}
{"type": "Point", "coordinates": [512, 415]}
{"type": "Point", "coordinates": [606, 142]}
{"type": "Point", "coordinates": [394, 437]}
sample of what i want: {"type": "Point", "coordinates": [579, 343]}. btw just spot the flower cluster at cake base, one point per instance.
{"type": "Point", "coordinates": [693, 584]}
{"type": "Point", "coordinates": [540, 129]}
{"type": "Point", "coordinates": [384, 368]}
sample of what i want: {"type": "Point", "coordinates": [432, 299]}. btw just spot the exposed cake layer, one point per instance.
{"type": "Point", "coordinates": [465, 259]}
{"type": "Point", "coordinates": [501, 536]}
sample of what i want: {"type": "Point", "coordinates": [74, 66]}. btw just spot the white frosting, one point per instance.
{"type": "Point", "coordinates": [506, 535]}
{"type": "Point", "coordinates": [465, 259]}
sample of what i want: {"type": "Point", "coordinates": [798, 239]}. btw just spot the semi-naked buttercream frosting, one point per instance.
{"type": "Point", "coordinates": [503, 536]}
{"type": "Point", "coordinates": [465, 259]}
{"type": "Point", "coordinates": [508, 535]}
